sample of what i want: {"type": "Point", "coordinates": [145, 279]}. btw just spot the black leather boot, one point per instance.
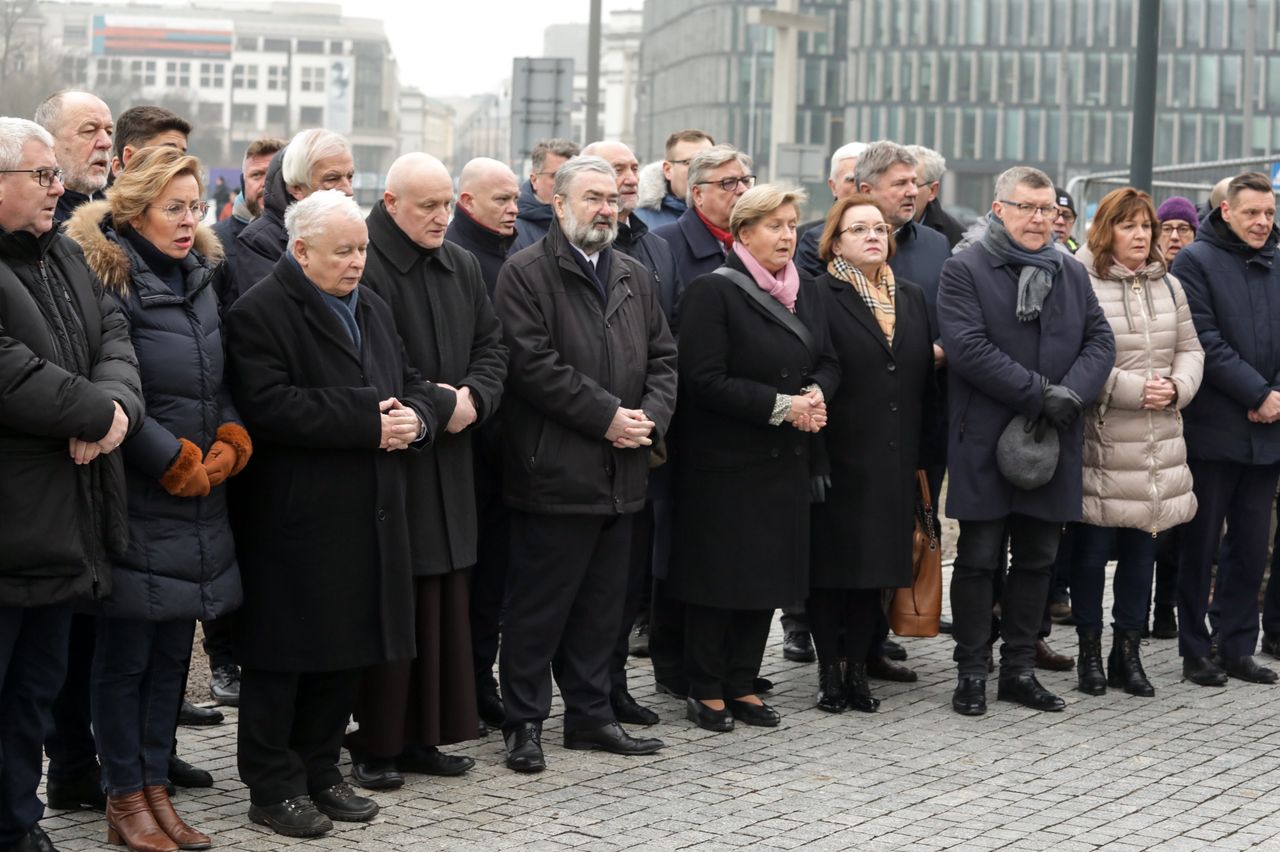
{"type": "Point", "coordinates": [1092, 678]}
{"type": "Point", "coordinates": [831, 691]}
{"type": "Point", "coordinates": [1124, 665]}
{"type": "Point", "coordinates": [855, 683]}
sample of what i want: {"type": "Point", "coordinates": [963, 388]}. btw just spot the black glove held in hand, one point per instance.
{"type": "Point", "coordinates": [1061, 406]}
{"type": "Point", "coordinates": [818, 486]}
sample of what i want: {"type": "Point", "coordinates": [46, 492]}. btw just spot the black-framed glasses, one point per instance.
{"type": "Point", "coordinates": [45, 176]}
{"type": "Point", "coordinates": [729, 184]}
{"type": "Point", "coordinates": [1049, 211]}
{"type": "Point", "coordinates": [1067, 215]}
{"type": "Point", "coordinates": [175, 210]}
{"type": "Point", "coordinates": [861, 231]}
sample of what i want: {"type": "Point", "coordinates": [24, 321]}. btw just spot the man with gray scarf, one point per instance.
{"type": "Point", "coordinates": [1024, 335]}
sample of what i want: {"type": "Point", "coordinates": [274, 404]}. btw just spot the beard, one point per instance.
{"type": "Point", "coordinates": [255, 209]}
{"type": "Point", "coordinates": [84, 181]}
{"type": "Point", "coordinates": [585, 236]}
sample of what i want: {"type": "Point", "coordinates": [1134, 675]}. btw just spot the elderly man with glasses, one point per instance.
{"type": "Point", "coordinates": [700, 238]}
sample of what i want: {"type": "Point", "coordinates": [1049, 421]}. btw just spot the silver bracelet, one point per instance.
{"type": "Point", "coordinates": [781, 408]}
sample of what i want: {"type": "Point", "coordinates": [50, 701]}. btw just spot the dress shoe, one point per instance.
{"type": "Point", "coordinates": [489, 704]}
{"type": "Point", "coordinates": [706, 718]}
{"type": "Point", "coordinates": [757, 715]}
{"type": "Point", "coordinates": [797, 646]}
{"type": "Point", "coordinates": [170, 823]}
{"type": "Point", "coordinates": [970, 697]}
{"type": "Point", "coordinates": [35, 840]}
{"type": "Point", "coordinates": [183, 774]}
{"type": "Point", "coordinates": [224, 685]}
{"type": "Point", "coordinates": [1164, 624]}
{"type": "Point", "coordinates": [377, 774]}
{"type": "Point", "coordinates": [945, 626]}
{"type": "Point", "coordinates": [194, 716]}
{"type": "Point", "coordinates": [131, 823]}
{"type": "Point", "coordinates": [1060, 612]}
{"type": "Point", "coordinates": [341, 803]}
{"type": "Point", "coordinates": [883, 668]}
{"type": "Point", "coordinates": [296, 817]}
{"type": "Point", "coordinates": [675, 690]}
{"type": "Point", "coordinates": [1047, 658]}
{"type": "Point", "coordinates": [611, 738]}
{"type": "Point", "coordinates": [893, 650]}
{"type": "Point", "coordinates": [1203, 671]}
{"type": "Point", "coordinates": [1271, 645]}
{"type": "Point", "coordinates": [1247, 668]}
{"type": "Point", "coordinates": [429, 760]}
{"type": "Point", "coordinates": [638, 641]}
{"type": "Point", "coordinates": [524, 747]}
{"type": "Point", "coordinates": [84, 792]}
{"type": "Point", "coordinates": [832, 697]}
{"type": "Point", "coordinates": [627, 709]}
{"type": "Point", "coordinates": [1124, 665]}
{"type": "Point", "coordinates": [1090, 677]}
{"type": "Point", "coordinates": [857, 689]}
{"type": "Point", "coordinates": [762, 686]}
{"type": "Point", "coordinates": [1024, 689]}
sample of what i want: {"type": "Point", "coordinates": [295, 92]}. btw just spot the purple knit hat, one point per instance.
{"type": "Point", "coordinates": [1178, 207]}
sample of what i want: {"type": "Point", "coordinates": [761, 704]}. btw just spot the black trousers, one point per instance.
{"type": "Point", "coordinates": [666, 638]}
{"type": "Point", "coordinates": [33, 660]}
{"type": "Point", "coordinates": [566, 580]}
{"type": "Point", "coordinates": [723, 650]}
{"type": "Point", "coordinates": [639, 580]}
{"type": "Point", "coordinates": [488, 583]}
{"type": "Point", "coordinates": [1168, 547]}
{"type": "Point", "coordinates": [795, 619]}
{"type": "Point", "coordinates": [1033, 545]}
{"type": "Point", "coordinates": [219, 641]}
{"type": "Point", "coordinates": [291, 728]}
{"type": "Point", "coordinates": [1242, 495]}
{"type": "Point", "coordinates": [846, 623]}
{"type": "Point", "coordinates": [1060, 580]}
{"type": "Point", "coordinates": [70, 744]}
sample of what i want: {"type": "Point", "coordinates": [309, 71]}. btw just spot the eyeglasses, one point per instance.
{"type": "Point", "coordinates": [1067, 215]}
{"type": "Point", "coordinates": [861, 231]}
{"type": "Point", "coordinates": [174, 211]}
{"type": "Point", "coordinates": [729, 184]}
{"type": "Point", "coordinates": [45, 177]}
{"type": "Point", "coordinates": [680, 162]}
{"type": "Point", "coordinates": [1048, 211]}
{"type": "Point", "coordinates": [1181, 230]}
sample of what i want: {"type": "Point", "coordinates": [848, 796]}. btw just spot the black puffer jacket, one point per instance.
{"type": "Point", "coordinates": [262, 242]}
{"type": "Point", "coordinates": [181, 557]}
{"type": "Point", "coordinates": [65, 356]}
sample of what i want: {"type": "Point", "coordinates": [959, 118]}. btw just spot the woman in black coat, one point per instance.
{"type": "Point", "coordinates": [755, 367]}
{"type": "Point", "coordinates": [862, 529]}
{"type": "Point", "coordinates": [147, 247]}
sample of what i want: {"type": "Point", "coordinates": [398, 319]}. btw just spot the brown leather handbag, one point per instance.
{"type": "Point", "coordinates": [917, 609]}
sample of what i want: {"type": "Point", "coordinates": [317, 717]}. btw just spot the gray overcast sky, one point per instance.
{"type": "Point", "coordinates": [464, 47]}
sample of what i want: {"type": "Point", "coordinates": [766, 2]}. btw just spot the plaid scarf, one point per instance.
{"type": "Point", "coordinates": [882, 308]}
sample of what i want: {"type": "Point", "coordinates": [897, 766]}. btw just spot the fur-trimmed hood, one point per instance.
{"type": "Point", "coordinates": [653, 186]}
{"type": "Point", "coordinates": [90, 226]}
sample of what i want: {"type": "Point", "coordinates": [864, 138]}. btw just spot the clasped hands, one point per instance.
{"type": "Point", "coordinates": [1269, 411]}
{"type": "Point", "coordinates": [1159, 393]}
{"type": "Point", "coordinates": [808, 411]}
{"type": "Point", "coordinates": [630, 429]}
{"type": "Point", "coordinates": [83, 452]}
{"type": "Point", "coordinates": [400, 425]}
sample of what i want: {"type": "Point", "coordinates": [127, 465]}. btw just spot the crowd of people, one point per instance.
{"type": "Point", "coordinates": [609, 410]}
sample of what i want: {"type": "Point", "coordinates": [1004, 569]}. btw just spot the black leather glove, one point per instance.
{"type": "Point", "coordinates": [1060, 406]}
{"type": "Point", "coordinates": [818, 487]}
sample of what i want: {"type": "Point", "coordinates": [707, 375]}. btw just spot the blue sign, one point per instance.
{"type": "Point", "coordinates": [1275, 176]}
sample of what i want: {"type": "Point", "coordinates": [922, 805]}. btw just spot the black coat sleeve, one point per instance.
{"type": "Point", "coordinates": [660, 374]}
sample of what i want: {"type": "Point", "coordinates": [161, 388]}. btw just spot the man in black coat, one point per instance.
{"type": "Point", "coordinates": [71, 395]}
{"type": "Point", "coordinates": [484, 222]}
{"type": "Point", "coordinates": [591, 386]}
{"type": "Point", "coordinates": [930, 168]}
{"type": "Point", "coordinates": [319, 377]}
{"type": "Point", "coordinates": [535, 196]}
{"type": "Point", "coordinates": [407, 708]}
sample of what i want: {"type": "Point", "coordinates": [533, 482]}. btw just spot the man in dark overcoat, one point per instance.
{"type": "Point", "coordinates": [1024, 335]}
{"type": "Point", "coordinates": [320, 379]}
{"type": "Point", "coordinates": [406, 708]}
{"type": "Point", "coordinates": [592, 384]}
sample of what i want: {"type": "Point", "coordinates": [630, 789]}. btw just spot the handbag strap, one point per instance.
{"type": "Point", "coordinates": [922, 485]}
{"type": "Point", "coordinates": [773, 306]}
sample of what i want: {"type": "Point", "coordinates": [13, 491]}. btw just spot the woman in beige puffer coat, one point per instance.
{"type": "Point", "coordinates": [1136, 480]}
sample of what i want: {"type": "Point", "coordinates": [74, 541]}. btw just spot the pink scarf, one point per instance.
{"type": "Point", "coordinates": [782, 285]}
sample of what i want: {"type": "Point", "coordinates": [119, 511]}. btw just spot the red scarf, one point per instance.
{"type": "Point", "coordinates": [720, 234]}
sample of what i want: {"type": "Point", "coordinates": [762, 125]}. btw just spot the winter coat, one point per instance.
{"type": "Point", "coordinates": [1135, 459]}
{"type": "Point", "coordinates": [574, 359]}
{"type": "Point", "coordinates": [1234, 293]}
{"type": "Point", "coordinates": [262, 242]}
{"type": "Point", "coordinates": [919, 255]}
{"type": "Point", "coordinates": [228, 232]}
{"type": "Point", "coordinates": [942, 222]}
{"type": "Point", "coordinates": [742, 485]}
{"type": "Point", "coordinates": [696, 250]}
{"type": "Point", "coordinates": [636, 239]}
{"type": "Point", "coordinates": [532, 221]}
{"type": "Point", "coordinates": [65, 356]}
{"type": "Point", "coordinates": [656, 205]}
{"type": "Point", "coordinates": [181, 558]}
{"type": "Point", "coordinates": [807, 258]}
{"type": "Point", "coordinates": [996, 364]}
{"type": "Point", "coordinates": [490, 248]}
{"type": "Point", "coordinates": [321, 527]}
{"type": "Point", "coordinates": [451, 335]}
{"type": "Point", "coordinates": [878, 422]}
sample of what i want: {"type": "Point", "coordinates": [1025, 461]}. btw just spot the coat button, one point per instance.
{"type": "Point", "coordinates": [382, 514]}
{"type": "Point", "coordinates": [773, 454]}
{"type": "Point", "coordinates": [893, 406]}
{"type": "Point", "coordinates": [785, 372]}
{"type": "Point", "coordinates": [796, 450]}
{"type": "Point", "coordinates": [892, 366]}
{"type": "Point", "coordinates": [893, 445]}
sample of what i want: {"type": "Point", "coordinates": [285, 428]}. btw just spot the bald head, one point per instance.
{"type": "Point", "coordinates": [488, 191]}
{"type": "Point", "coordinates": [625, 168]}
{"type": "Point", "coordinates": [82, 130]}
{"type": "Point", "coordinates": [418, 198]}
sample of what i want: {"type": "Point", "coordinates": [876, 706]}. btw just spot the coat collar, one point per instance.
{"type": "Point", "coordinates": [849, 299]}
{"type": "Point", "coordinates": [617, 288]}
{"type": "Point", "coordinates": [472, 233]}
{"type": "Point", "coordinates": [394, 244]}
{"type": "Point", "coordinates": [701, 241]}
{"type": "Point", "coordinates": [318, 314]}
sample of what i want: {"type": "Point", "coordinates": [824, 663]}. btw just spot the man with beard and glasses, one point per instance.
{"type": "Point", "coordinates": [590, 387]}
{"type": "Point", "coordinates": [82, 127]}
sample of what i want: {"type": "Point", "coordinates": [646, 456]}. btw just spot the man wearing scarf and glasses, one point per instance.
{"type": "Point", "coordinates": [1024, 335]}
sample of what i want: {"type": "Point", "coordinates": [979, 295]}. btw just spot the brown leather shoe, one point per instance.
{"type": "Point", "coordinates": [131, 823]}
{"type": "Point", "coordinates": [883, 668]}
{"type": "Point", "coordinates": [167, 818]}
{"type": "Point", "coordinates": [1047, 658]}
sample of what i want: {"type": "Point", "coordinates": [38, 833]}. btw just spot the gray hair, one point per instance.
{"type": "Point", "coordinates": [15, 133]}
{"type": "Point", "coordinates": [306, 219]}
{"type": "Point", "coordinates": [305, 149]}
{"type": "Point", "coordinates": [845, 152]}
{"type": "Point", "coordinates": [560, 147]}
{"type": "Point", "coordinates": [708, 161]}
{"type": "Point", "coordinates": [878, 158]}
{"type": "Point", "coordinates": [1027, 175]}
{"type": "Point", "coordinates": [930, 165]}
{"type": "Point", "coordinates": [49, 113]}
{"type": "Point", "coordinates": [566, 174]}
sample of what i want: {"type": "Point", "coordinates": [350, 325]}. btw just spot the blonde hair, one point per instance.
{"type": "Point", "coordinates": [148, 173]}
{"type": "Point", "coordinates": [760, 201]}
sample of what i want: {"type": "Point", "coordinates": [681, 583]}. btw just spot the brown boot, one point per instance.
{"type": "Point", "coordinates": [162, 809]}
{"type": "Point", "coordinates": [130, 823]}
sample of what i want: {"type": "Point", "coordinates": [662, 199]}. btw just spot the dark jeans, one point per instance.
{"type": "Point", "coordinates": [33, 661]}
{"type": "Point", "coordinates": [723, 650]}
{"type": "Point", "coordinates": [846, 623]}
{"type": "Point", "coordinates": [1135, 563]}
{"type": "Point", "coordinates": [135, 689]}
{"type": "Point", "coordinates": [69, 744]}
{"type": "Point", "coordinates": [1033, 544]}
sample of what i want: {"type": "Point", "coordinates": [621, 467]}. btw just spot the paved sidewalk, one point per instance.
{"type": "Point", "coordinates": [1191, 769]}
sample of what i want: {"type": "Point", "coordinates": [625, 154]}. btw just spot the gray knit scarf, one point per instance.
{"type": "Point", "coordinates": [1038, 268]}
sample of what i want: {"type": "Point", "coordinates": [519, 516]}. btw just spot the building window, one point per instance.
{"type": "Point", "coordinates": [310, 46]}
{"type": "Point", "coordinates": [177, 74]}
{"type": "Point", "coordinates": [311, 116]}
{"type": "Point", "coordinates": [312, 79]}
{"type": "Point", "coordinates": [275, 45]}
{"type": "Point", "coordinates": [246, 43]}
{"type": "Point", "coordinates": [209, 112]}
{"type": "Point", "coordinates": [244, 77]}
{"type": "Point", "coordinates": [276, 114]}
{"type": "Point", "coordinates": [336, 47]}
{"type": "Point", "coordinates": [212, 75]}
{"type": "Point", "coordinates": [244, 113]}
{"type": "Point", "coordinates": [143, 72]}
{"type": "Point", "coordinates": [277, 77]}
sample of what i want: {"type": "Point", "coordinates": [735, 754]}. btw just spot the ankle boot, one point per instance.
{"type": "Point", "coordinates": [1092, 679]}
{"type": "Point", "coordinates": [170, 823]}
{"type": "Point", "coordinates": [831, 691]}
{"type": "Point", "coordinates": [131, 823]}
{"type": "Point", "coordinates": [1124, 665]}
{"type": "Point", "coordinates": [855, 683]}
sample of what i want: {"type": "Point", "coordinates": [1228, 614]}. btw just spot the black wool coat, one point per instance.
{"type": "Point", "coordinates": [322, 534]}
{"type": "Point", "coordinates": [873, 441]}
{"type": "Point", "coordinates": [742, 486]}
{"type": "Point", "coordinates": [452, 336]}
